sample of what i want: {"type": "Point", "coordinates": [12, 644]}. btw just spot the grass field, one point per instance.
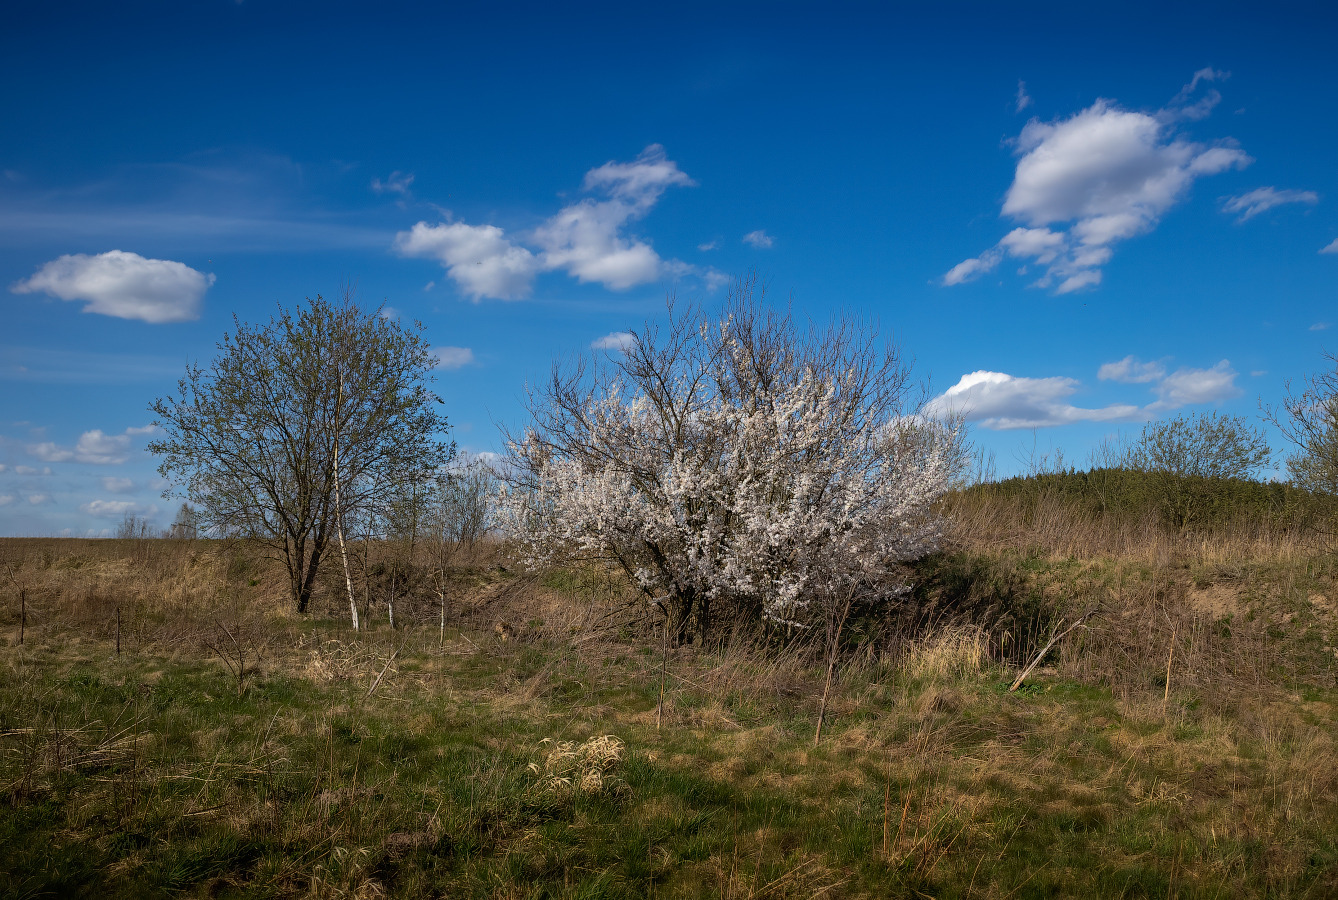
{"type": "Point", "coordinates": [1184, 743]}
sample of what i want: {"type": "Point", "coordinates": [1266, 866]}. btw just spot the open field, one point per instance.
{"type": "Point", "coordinates": [234, 749]}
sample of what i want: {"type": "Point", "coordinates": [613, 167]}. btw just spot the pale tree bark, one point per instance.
{"type": "Point", "coordinates": [339, 513]}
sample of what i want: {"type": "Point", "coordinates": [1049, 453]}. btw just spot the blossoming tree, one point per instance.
{"type": "Point", "coordinates": [736, 469]}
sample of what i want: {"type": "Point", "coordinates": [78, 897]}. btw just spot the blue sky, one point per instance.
{"type": "Point", "coordinates": [1073, 222]}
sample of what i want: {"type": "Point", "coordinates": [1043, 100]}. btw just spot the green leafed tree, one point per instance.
{"type": "Point", "coordinates": [1206, 446]}
{"type": "Point", "coordinates": [1308, 418]}
{"type": "Point", "coordinates": [325, 401]}
{"type": "Point", "coordinates": [1186, 454]}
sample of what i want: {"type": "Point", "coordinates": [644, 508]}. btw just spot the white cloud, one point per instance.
{"type": "Point", "coordinates": [759, 239]}
{"type": "Point", "coordinates": [3, 467]}
{"type": "Point", "coordinates": [1180, 106]}
{"type": "Point", "coordinates": [39, 499]}
{"type": "Point", "coordinates": [1331, 247]}
{"type": "Point", "coordinates": [1189, 385]}
{"type": "Point", "coordinates": [117, 485]}
{"type": "Point", "coordinates": [1023, 98]}
{"type": "Point", "coordinates": [617, 340]}
{"type": "Point", "coordinates": [998, 401]}
{"type": "Point", "coordinates": [1040, 244]}
{"type": "Point", "coordinates": [970, 269]}
{"type": "Point", "coordinates": [640, 182]}
{"type": "Point", "coordinates": [396, 183]}
{"type": "Point", "coordinates": [117, 509]}
{"type": "Point", "coordinates": [478, 258]}
{"type": "Point", "coordinates": [6, 499]}
{"type": "Point", "coordinates": [453, 357]}
{"type": "Point", "coordinates": [1320, 326]}
{"type": "Point", "coordinates": [1263, 199]}
{"type": "Point", "coordinates": [586, 239]}
{"type": "Point", "coordinates": [1084, 183]}
{"type": "Point", "coordinates": [1131, 370]}
{"type": "Point", "coordinates": [29, 470]}
{"type": "Point", "coordinates": [708, 246]}
{"type": "Point", "coordinates": [124, 285]}
{"type": "Point", "coordinates": [93, 447]}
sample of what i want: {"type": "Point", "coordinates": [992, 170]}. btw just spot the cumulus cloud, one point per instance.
{"type": "Point", "coordinates": [759, 239]}
{"type": "Point", "coordinates": [93, 447]}
{"type": "Point", "coordinates": [617, 340]}
{"type": "Point", "coordinates": [1131, 370]}
{"type": "Point", "coordinates": [478, 258]}
{"type": "Point", "coordinates": [124, 285]}
{"type": "Point", "coordinates": [999, 401]}
{"type": "Point", "coordinates": [1084, 183]}
{"type": "Point", "coordinates": [1023, 98]}
{"type": "Point", "coordinates": [395, 183]}
{"type": "Point", "coordinates": [453, 357]}
{"type": "Point", "coordinates": [1263, 199]}
{"type": "Point", "coordinates": [1331, 247]}
{"type": "Point", "coordinates": [1189, 385]}
{"type": "Point", "coordinates": [708, 246]}
{"type": "Point", "coordinates": [39, 499]}
{"type": "Point", "coordinates": [587, 239]}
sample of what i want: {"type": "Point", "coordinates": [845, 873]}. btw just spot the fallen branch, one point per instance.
{"type": "Point", "coordinates": [1017, 683]}
{"type": "Point", "coordinates": [394, 653]}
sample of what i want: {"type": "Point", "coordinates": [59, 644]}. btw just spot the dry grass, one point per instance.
{"type": "Point", "coordinates": [1097, 777]}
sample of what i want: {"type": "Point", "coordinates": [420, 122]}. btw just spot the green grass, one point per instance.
{"type": "Point", "coordinates": [149, 775]}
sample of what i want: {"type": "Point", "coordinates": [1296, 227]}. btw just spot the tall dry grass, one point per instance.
{"type": "Point", "coordinates": [1053, 524]}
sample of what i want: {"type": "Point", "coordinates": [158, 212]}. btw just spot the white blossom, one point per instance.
{"type": "Point", "coordinates": [736, 466]}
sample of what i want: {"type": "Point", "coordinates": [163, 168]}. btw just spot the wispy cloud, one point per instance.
{"type": "Point", "coordinates": [394, 183]}
{"type": "Point", "coordinates": [1085, 183]}
{"type": "Point", "coordinates": [1023, 98]}
{"type": "Point", "coordinates": [617, 340]}
{"type": "Point", "coordinates": [759, 239]}
{"type": "Point", "coordinates": [1320, 326]}
{"type": "Point", "coordinates": [117, 509]}
{"type": "Point", "coordinates": [1331, 247]}
{"type": "Point", "coordinates": [453, 357]}
{"type": "Point", "coordinates": [210, 202]}
{"type": "Point", "coordinates": [1187, 385]}
{"type": "Point", "coordinates": [1131, 370]}
{"type": "Point", "coordinates": [123, 285]}
{"type": "Point", "coordinates": [1263, 199]}
{"type": "Point", "coordinates": [38, 364]}
{"type": "Point", "coordinates": [587, 239]}
{"type": "Point", "coordinates": [94, 447]}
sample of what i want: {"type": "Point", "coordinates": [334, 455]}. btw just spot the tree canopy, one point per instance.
{"type": "Point", "coordinates": [250, 440]}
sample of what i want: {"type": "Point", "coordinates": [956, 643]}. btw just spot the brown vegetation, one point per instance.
{"type": "Point", "coordinates": [1184, 740]}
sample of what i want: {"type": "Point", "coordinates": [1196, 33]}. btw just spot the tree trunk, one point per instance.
{"type": "Point", "coordinates": [339, 511]}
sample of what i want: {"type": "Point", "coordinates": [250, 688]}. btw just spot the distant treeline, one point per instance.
{"type": "Point", "coordinates": [1176, 501]}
